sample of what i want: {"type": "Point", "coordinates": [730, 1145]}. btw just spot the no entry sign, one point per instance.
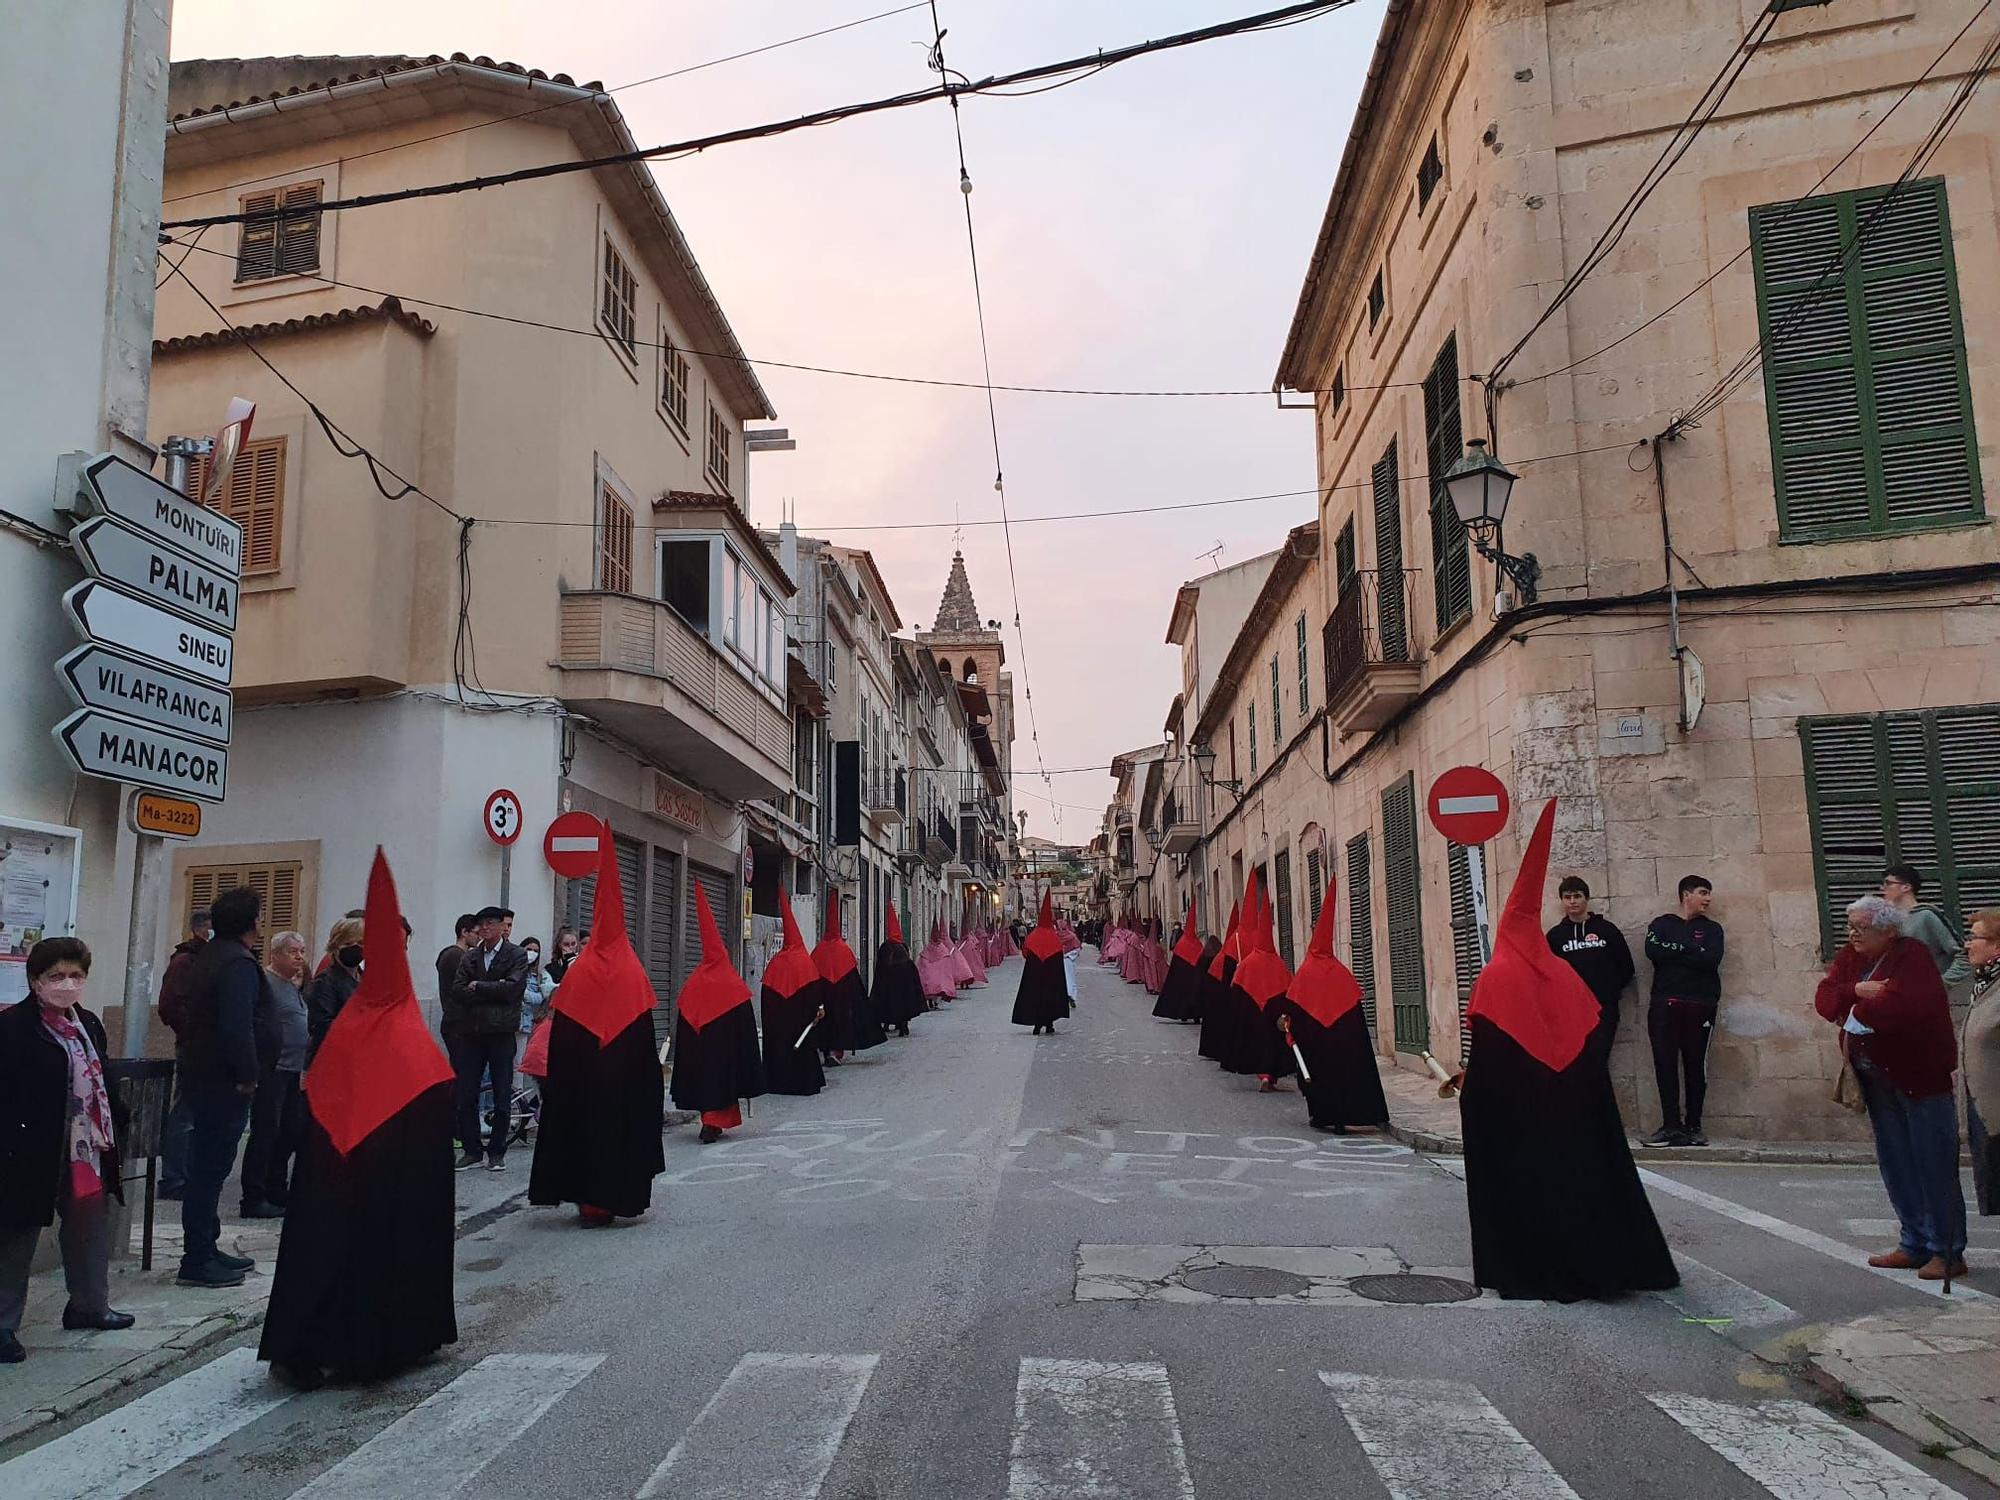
{"type": "Point", "coordinates": [1468, 804]}
{"type": "Point", "coordinates": [570, 845]}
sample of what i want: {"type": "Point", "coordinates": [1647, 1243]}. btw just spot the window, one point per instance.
{"type": "Point", "coordinates": [673, 383]}
{"type": "Point", "coordinates": [617, 301]}
{"type": "Point", "coordinates": [1451, 562]}
{"type": "Point", "coordinates": [254, 499]}
{"type": "Point", "coordinates": [1340, 388]}
{"type": "Point", "coordinates": [278, 883]}
{"type": "Point", "coordinates": [281, 238]}
{"type": "Point", "coordinates": [774, 640]}
{"type": "Point", "coordinates": [614, 540]}
{"type": "Point", "coordinates": [1281, 880]}
{"type": "Point", "coordinates": [1276, 699]}
{"type": "Point", "coordinates": [1343, 558]}
{"type": "Point", "coordinates": [1919, 788]}
{"type": "Point", "coordinates": [733, 579]}
{"type": "Point", "coordinates": [1467, 958]}
{"type": "Point", "coordinates": [1299, 630]}
{"type": "Point", "coordinates": [1864, 372]}
{"type": "Point", "coordinates": [1361, 924]}
{"type": "Point", "coordinates": [1430, 172]}
{"type": "Point", "coordinates": [1253, 739]}
{"type": "Point", "coordinates": [1377, 300]}
{"type": "Point", "coordinates": [1391, 604]}
{"type": "Point", "coordinates": [718, 447]}
{"type": "Point", "coordinates": [1404, 884]}
{"type": "Point", "coordinates": [684, 580]}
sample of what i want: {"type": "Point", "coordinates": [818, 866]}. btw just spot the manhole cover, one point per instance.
{"type": "Point", "coordinates": [1409, 1289]}
{"type": "Point", "coordinates": [1246, 1281]}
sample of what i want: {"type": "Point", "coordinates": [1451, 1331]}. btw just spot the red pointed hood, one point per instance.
{"type": "Point", "coordinates": [606, 988]}
{"type": "Point", "coordinates": [714, 988]}
{"type": "Point", "coordinates": [1228, 948]}
{"type": "Point", "coordinates": [1324, 988]}
{"type": "Point", "coordinates": [833, 958]}
{"type": "Point", "coordinates": [1044, 941]}
{"type": "Point", "coordinates": [1188, 949]}
{"type": "Point", "coordinates": [791, 968]}
{"type": "Point", "coordinates": [1253, 917]}
{"type": "Point", "coordinates": [378, 1054]}
{"type": "Point", "coordinates": [895, 926]}
{"type": "Point", "coordinates": [1527, 991]}
{"type": "Point", "coordinates": [1262, 974]}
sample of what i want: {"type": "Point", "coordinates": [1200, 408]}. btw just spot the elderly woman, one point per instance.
{"type": "Point", "coordinates": [1980, 1050]}
{"type": "Point", "coordinates": [277, 1119]}
{"type": "Point", "coordinates": [60, 1137]}
{"type": "Point", "coordinates": [1883, 990]}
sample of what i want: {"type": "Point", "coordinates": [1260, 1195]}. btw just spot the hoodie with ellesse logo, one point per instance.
{"type": "Point", "coordinates": [1596, 949]}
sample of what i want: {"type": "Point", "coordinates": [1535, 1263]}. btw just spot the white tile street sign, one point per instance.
{"type": "Point", "coordinates": [126, 556]}
{"type": "Point", "coordinates": [164, 514]}
{"type": "Point", "coordinates": [110, 616]}
{"type": "Point", "coordinates": [120, 749]}
{"type": "Point", "coordinates": [98, 677]}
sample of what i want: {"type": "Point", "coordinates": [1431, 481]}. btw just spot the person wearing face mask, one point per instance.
{"type": "Point", "coordinates": [58, 1143]}
{"type": "Point", "coordinates": [339, 976]}
{"type": "Point", "coordinates": [567, 948]}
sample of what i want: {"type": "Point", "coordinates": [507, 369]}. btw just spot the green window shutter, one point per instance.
{"type": "Point", "coordinates": [1865, 381]}
{"type": "Point", "coordinates": [1390, 622]}
{"type": "Point", "coordinates": [1277, 704]}
{"type": "Point", "coordinates": [1315, 881]}
{"type": "Point", "coordinates": [1451, 563]}
{"type": "Point", "coordinates": [1361, 924]}
{"type": "Point", "coordinates": [1466, 961]}
{"type": "Point", "coordinates": [1253, 739]}
{"type": "Point", "coordinates": [1403, 888]}
{"type": "Point", "coordinates": [1281, 879]}
{"type": "Point", "coordinates": [1343, 555]}
{"type": "Point", "coordinates": [1305, 680]}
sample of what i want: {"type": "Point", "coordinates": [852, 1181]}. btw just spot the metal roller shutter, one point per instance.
{"type": "Point", "coordinates": [662, 919]}
{"type": "Point", "coordinates": [1466, 961]}
{"type": "Point", "coordinates": [720, 887]}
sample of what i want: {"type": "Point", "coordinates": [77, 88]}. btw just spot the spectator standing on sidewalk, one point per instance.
{"type": "Point", "coordinates": [276, 1110]}
{"type": "Point", "coordinates": [338, 977]}
{"type": "Point", "coordinates": [1979, 1058]}
{"type": "Point", "coordinates": [1902, 887]}
{"type": "Point", "coordinates": [173, 1011]}
{"type": "Point", "coordinates": [465, 938]}
{"type": "Point", "coordinates": [1685, 947]}
{"type": "Point", "coordinates": [567, 948]}
{"type": "Point", "coordinates": [218, 1056]}
{"type": "Point", "coordinates": [1884, 992]}
{"type": "Point", "coordinates": [481, 1027]}
{"type": "Point", "coordinates": [1597, 950]}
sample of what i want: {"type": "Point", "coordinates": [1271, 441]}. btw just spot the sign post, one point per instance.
{"type": "Point", "coordinates": [502, 819]}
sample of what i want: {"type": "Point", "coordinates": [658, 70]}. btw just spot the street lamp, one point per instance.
{"type": "Point", "coordinates": [1155, 838]}
{"type": "Point", "coordinates": [1204, 764]}
{"type": "Point", "coordinates": [1480, 486]}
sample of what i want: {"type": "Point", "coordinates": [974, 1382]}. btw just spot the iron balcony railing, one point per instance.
{"type": "Point", "coordinates": [1370, 626]}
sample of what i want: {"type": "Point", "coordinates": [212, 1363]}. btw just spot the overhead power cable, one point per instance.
{"type": "Point", "coordinates": [1091, 63]}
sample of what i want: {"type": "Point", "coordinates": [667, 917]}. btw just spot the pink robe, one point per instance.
{"type": "Point", "coordinates": [934, 971]}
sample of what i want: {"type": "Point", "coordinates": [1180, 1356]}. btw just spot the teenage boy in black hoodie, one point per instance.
{"type": "Point", "coordinates": [1596, 949]}
{"type": "Point", "coordinates": [1686, 950]}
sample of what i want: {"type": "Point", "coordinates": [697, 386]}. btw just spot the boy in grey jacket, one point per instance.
{"type": "Point", "coordinates": [1901, 887]}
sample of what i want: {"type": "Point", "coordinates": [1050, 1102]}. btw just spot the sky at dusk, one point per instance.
{"type": "Point", "coordinates": [1146, 227]}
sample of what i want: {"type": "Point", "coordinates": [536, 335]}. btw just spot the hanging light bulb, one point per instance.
{"type": "Point", "coordinates": [964, 183]}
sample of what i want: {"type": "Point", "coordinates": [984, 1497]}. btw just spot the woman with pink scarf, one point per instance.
{"type": "Point", "coordinates": [56, 1116]}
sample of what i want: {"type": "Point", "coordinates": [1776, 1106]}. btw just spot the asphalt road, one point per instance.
{"type": "Point", "coordinates": [964, 1270]}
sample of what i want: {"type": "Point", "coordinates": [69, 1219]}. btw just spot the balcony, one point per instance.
{"type": "Point", "coordinates": [940, 839]}
{"type": "Point", "coordinates": [1373, 667]}
{"type": "Point", "coordinates": [636, 667]}
{"type": "Point", "coordinates": [1183, 834]}
{"type": "Point", "coordinates": [883, 794]}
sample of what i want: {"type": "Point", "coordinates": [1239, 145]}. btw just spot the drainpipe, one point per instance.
{"type": "Point", "coordinates": [1667, 559]}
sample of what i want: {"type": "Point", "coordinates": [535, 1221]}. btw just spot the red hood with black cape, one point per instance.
{"type": "Point", "coordinates": [716, 1061]}
{"type": "Point", "coordinates": [598, 1143]}
{"type": "Point", "coordinates": [1262, 978]}
{"type": "Point", "coordinates": [1217, 968]}
{"type": "Point", "coordinates": [1180, 991]}
{"type": "Point", "coordinates": [1043, 998]}
{"type": "Point", "coordinates": [897, 994]}
{"type": "Point", "coordinates": [364, 1276]}
{"type": "Point", "coordinates": [1557, 1208]}
{"type": "Point", "coordinates": [1232, 1025]}
{"type": "Point", "coordinates": [794, 995]}
{"type": "Point", "coordinates": [1323, 1007]}
{"type": "Point", "coordinates": [847, 1007]}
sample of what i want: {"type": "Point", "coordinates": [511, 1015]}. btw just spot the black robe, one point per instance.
{"type": "Point", "coordinates": [898, 996]}
{"type": "Point", "coordinates": [1043, 998]}
{"type": "Point", "coordinates": [1218, 1016]}
{"type": "Point", "coordinates": [598, 1143]}
{"type": "Point", "coordinates": [363, 1282]}
{"type": "Point", "coordinates": [1346, 1085]}
{"type": "Point", "coordinates": [720, 1063]}
{"type": "Point", "coordinates": [1261, 1047]}
{"type": "Point", "coordinates": [1180, 991]}
{"type": "Point", "coordinates": [1557, 1208]}
{"type": "Point", "coordinates": [846, 997]}
{"type": "Point", "coordinates": [791, 1067]}
{"type": "Point", "coordinates": [834, 1029]}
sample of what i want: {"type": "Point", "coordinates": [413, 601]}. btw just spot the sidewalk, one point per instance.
{"type": "Point", "coordinates": [66, 1372]}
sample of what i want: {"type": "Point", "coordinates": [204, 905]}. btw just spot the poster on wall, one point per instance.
{"type": "Point", "coordinates": [37, 897]}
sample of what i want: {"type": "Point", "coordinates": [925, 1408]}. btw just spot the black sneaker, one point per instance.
{"type": "Point", "coordinates": [11, 1352]}
{"type": "Point", "coordinates": [214, 1276]}
{"type": "Point", "coordinates": [261, 1211]}
{"type": "Point", "coordinates": [498, 1164]}
{"type": "Point", "coordinates": [468, 1161]}
{"type": "Point", "coordinates": [1692, 1136]}
{"type": "Point", "coordinates": [234, 1262]}
{"type": "Point", "coordinates": [1666, 1135]}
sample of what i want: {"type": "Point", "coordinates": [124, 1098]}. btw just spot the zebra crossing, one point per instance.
{"type": "Point", "coordinates": [1082, 1430]}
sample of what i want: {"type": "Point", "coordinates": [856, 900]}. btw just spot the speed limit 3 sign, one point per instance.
{"type": "Point", "coordinates": [503, 817]}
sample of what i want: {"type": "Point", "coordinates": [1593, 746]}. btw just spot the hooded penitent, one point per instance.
{"type": "Point", "coordinates": [898, 994]}
{"type": "Point", "coordinates": [969, 950]}
{"type": "Point", "coordinates": [1556, 1204]}
{"type": "Point", "coordinates": [1043, 997]}
{"type": "Point", "coordinates": [1214, 983]}
{"type": "Point", "coordinates": [1262, 979]}
{"type": "Point", "coordinates": [1323, 1009]}
{"type": "Point", "coordinates": [363, 1283]}
{"type": "Point", "coordinates": [793, 1001]}
{"type": "Point", "coordinates": [1180, 991]}
{"type": "Point", "coordinates": [842, 975]}
{"type": "Point", "coordinates": [598, 1144]}
{"type": "Point", "coordinates": [935, 968]}
{"type": "Point", "coordinates": [716, 1061]}
{"type": "Point", "coordinates": [1233, 1040]}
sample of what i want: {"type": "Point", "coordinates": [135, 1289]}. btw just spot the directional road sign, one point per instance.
{"type": "Point", "coordinates": [570, 845]}
{"type": "Point", "coordinates": [120, 749]}
{"type": "Point", "coordinates": [502, 817]}
{"type": "Point", "coordinates": [164, 514]}
{"type": "Point", "coordinates": [126, 556]}
{"type": "Point", "coordinates": [98, 677]}
{"type": "Point", "coordinates": [112, 617]}
{"type": "Point", "coordinates": [1468, 804]}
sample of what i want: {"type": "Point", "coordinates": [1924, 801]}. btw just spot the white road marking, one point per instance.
{"type": "Point", "coordinates": [771, 1429]}
{"type": "Point", "coordinates": [1442, 1440]}
{"type": "Point", "coordinates": [1705, 1293]}
{"type": "Point", "coordinates": [129, 1448]}
{"type": "Point", "coordinates": [1089, 1430]}
{"type": "Point", "coordinates": [1889, 1230]}
{"type": "Point", "coordinates": [1810, 1239]}
{"type": "Point", "coordinates": [1799, 1453]}
{"type": "Point", "coordinates": [1451, 1166]}
{"type": "Point", "coordinates": [438, 1447]}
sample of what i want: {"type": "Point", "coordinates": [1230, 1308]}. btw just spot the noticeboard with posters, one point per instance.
{"type": "Point", "coordinates": [38, 883]}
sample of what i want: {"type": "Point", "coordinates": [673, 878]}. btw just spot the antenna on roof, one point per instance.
{"type": "Point", "coordinates": [1213, 554]}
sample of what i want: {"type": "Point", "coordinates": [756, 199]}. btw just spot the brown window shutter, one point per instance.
{"type": "Point", "coordinates": [614, 544]}
{"type": "Point", "coordinates": [257, 244]}
{"type": "Point", "coordinates": [254, 500]}
{"type": "Point", "coordinates": [298, 230]}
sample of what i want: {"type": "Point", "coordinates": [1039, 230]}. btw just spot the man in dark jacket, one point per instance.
{"type": "Point", "coordinates": [465, 937]}
{"type": "Point", "coordinates": [1596, 949]}
{"type": "Point", "coordinates": [482, 1020]}
{"type": "Point", "coordinates": [173, 1011]}
{"type": "Point", "coordinates": [1686, 951]}
{"type": "Point", "coordinates": [217, 1051]}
